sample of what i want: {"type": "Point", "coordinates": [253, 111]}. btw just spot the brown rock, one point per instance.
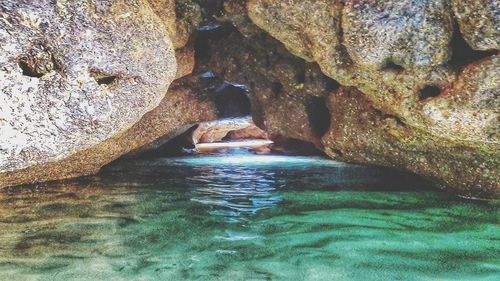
{"type": "Point", "coordinates": [286, 92]}
{"type": "Point", "coordinates": [188, 17]}
{"type": "Point", "coordinates": [468, 110]}
{"type": "Point", "coordinates": [250, 132]}
{"type": "Point", "coordinates": [407, 33]}
{"type": "Point", "coordinates": [180, 17]}
{"type": "Point", "coordinates": [362, 134]}
{"type": "Point", "coordinates": [185, 61]}
{"type": "Point", "coordinates": [425, 119]}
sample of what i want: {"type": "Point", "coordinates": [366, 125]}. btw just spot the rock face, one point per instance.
{"type": "Point", "coordinates": [180, 17]}
{"type": "Point", "coordinates": [407, 33]}
{"type": "Point", "coordinates": [287, 93]}
{"type": "Point", "coordinates": [185, 105]}
{"type": "Point", "coordinates": [360, 133]}
{"type": "Point", "coordinates": [73, 76]}
{"type": "Point", "coordinates": [408, 103]}
{"type": "Point", "coordinates": [227, 129]}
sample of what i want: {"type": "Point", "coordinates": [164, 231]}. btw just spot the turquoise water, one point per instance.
{"type": "Point", "coordinates": [245, 217]}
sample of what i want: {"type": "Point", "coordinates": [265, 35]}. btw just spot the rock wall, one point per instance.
{"type": "Point", "coordinates": [84, 84]}
{"type": "Point", "coordinates": [73, 76]}
{"type": "Point", "coordinates": [419, 82]}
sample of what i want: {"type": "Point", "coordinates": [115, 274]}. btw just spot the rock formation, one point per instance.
{"type": "Point", "coordinates": [73, 76]}
{"type": "Point", "coordinates": [407, 84]}
{"type": "Point", "coordinates": [418, 97]}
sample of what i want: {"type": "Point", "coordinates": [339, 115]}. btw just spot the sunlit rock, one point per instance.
{"type": "Point", "coordinates": [72, 76]}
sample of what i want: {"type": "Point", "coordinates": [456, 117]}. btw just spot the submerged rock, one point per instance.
{"type": "Point", "coordinates": [72, 76]}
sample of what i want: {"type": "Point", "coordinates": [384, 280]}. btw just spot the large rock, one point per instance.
{"type": "Point", "coordinates": [469, 109]}
{"type": "Point", "coordinates": [308, 29]}
{"type": "Point", "coordinates": [72, 76]}
{"type": "Point", "coordinates": [362, 134]}
{"type": "Point", "coordinates": [407, 33]}
{"type": "Point", "coordinates": [405, 63]}
{"type": "Point", "coordinates": [378, 46]}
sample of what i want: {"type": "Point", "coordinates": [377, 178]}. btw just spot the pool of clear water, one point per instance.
{"type": "Point", "coordinates": [245, 217]}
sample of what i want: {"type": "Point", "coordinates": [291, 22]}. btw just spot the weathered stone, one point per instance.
{"type": "Point", "coordinates": [285, 92]}
{"type": "Point", "coordinates": [180, 17]}
{"type": "Point", "coordinates": [188, 14]}
{"type": "Point", "coordinates": [407, 33]}
{"type": "Point", "coordinates": [165, 9]}
{"type": "Point", "coordinates": [362, 134]}
{"type": "Point", "coordinates": [72, 76]}
{"type": "Point", "coordinates": [326, 28]}
{"type": "Point", "coordinates": [249, 132]}
{"type": "Point", "coordinates": [479, 22]}
{"type": "Point", "coordinates": [309, 29]}
{"type": "Point", "coordinates": [215, 131]}
{"type": "Point", "coordinates": [185, 61]}
{"type": "Point", "coordinates": [468, 110]}
{"type": "Point", "coordinates": [398, 56]}
{"type": "Point", "coordinates": [185, 105]}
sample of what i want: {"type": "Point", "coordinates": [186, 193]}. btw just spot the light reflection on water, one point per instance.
{"type": "Point", "coordinates": [245, 217]}
{"type": "Point", "coordinates": [236, 190]}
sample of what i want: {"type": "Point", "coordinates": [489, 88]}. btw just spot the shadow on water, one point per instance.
{"type": "Point", "coordinates": [242, 216]}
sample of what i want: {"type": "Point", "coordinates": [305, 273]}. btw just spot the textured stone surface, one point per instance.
{"type": "Point", "coordinates": [180, 17]}
{"type": "Point", "coordinates": [165, 10]}
{"type": "Point", "coordinates": [188, 17]}
{"type": "Point", "coordinates": [479, 22]}
{"type": "Point", "coordinates": [469, 109]}
{"type": "Point", "coordinates": [73, 76]}
{"type": "Point", "coordinates": [414, 95]}
{"type": "Point", "coordinates": [185, 61]}
{"type": "Point", "coordinates": [332, 31]}
{"type": "Point", "coordinates": [362, 134]}
{"type": "Point", "coordinates": [233, 128]}
{"type": "Point", "coordinates": [428, 117]}
{"type": "Point", "coordinates": [309, 29]}
{"type": "Point", "coordinates": [285, 91]}
{"type": "Point", "coordinates": [407, 33]}
{"type": "Point", "coordinates": [185, 105]}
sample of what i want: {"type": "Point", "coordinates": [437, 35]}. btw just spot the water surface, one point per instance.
{"type": "Point", "coordinates": [245, 217]}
